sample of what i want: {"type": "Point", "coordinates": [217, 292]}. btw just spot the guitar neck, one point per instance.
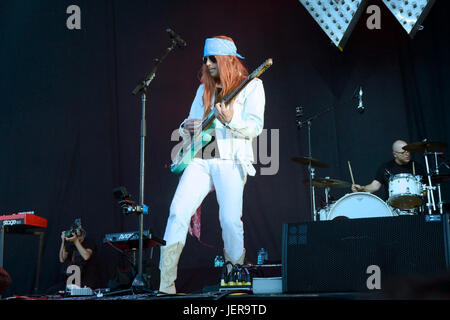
{"type": "Point", "coordinates": [255, 74]}
{"type": "Point", "coordinates": [235, 92]}
{"type": "Point", "coordinates": [211, 116]}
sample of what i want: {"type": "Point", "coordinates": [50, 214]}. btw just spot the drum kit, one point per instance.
{"type": "Point", "coordinates": [409, 194]}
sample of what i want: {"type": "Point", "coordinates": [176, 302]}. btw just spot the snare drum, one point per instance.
{"type": "Point", "coordinates": [360, 205]}
{"type": "Point", "coordinates": [405, 191]}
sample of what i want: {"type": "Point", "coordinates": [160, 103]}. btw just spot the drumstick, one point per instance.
{"type": "Point", "coordinates": [414, 169]}
{"type": "Point", "coordinates": [351, 173]}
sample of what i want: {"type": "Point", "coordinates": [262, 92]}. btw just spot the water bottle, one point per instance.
{"type": "Point", "coordinates": [262, 256]}
{"type": "Point", "coordinates": [219, 261]}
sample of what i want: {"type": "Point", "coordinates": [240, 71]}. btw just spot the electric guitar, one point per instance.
{"type": "Point", "coordinates": [192, 146]}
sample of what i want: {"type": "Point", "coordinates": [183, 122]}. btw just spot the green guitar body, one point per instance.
{"type": "Point", "coordinates": [189, 150]}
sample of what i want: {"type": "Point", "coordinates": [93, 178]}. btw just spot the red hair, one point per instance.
{"type": "Point", "coordinates": [231, 74]}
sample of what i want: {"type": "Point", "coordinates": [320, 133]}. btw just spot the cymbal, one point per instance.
{"type": "Point", "coordinates": [440, 178]}
{"type": "Point", "coordinates": [328, 183]}
{"type": "Point", "coordinates": [426, 146]}
{"type": "Point", "coordinates": [306, 160]}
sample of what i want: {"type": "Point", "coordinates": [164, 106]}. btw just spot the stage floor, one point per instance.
{"type": "Point", "coordinates": [226, 305]}
{"type": "Point", "coordinates": [209, 296]}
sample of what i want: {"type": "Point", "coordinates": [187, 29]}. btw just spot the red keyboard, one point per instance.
{"type": "Point", "coordinates": [23, 219]}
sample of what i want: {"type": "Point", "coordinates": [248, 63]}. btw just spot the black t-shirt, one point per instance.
{"type": "Point", "coordinates": [391, 168]}
{"type": "Point", "coordinates": [89, 269]}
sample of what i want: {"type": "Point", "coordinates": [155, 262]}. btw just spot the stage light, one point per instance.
{"type": "Point", "coordinates": [337, 18]}
{"type": "Point", "coordinates": [410, 14]}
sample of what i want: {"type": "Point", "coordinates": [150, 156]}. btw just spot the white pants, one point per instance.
{"type": "Point", "coordinates": [198, 178]}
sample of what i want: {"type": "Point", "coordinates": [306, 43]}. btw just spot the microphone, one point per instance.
{"type": "Point", "coordinates": [180, 42]}
{"type": "Point", "coordinates": [360, 105]}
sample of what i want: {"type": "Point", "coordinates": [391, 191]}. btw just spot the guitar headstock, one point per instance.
{"type": "Point", "coordinates": [263, 67]}
{"type": "Point", "coordinates": [254, 74]}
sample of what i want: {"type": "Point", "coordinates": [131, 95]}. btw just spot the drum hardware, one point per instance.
{"type": "Point", "coordinates": [327, 195]}
{"type": "Point", "coordinates": [401, 212]}
{"type": "Point", "coordinates": [327, 192]}
{"type": "Point", "coordinates": [312, 164]}
{"type": "Point", "coordinates": [438, 184]}
{"type": "Point", "coordinates": [300, 124]}
{"type": "Point", "coordinates": [325, 211]}
{"type": "Point", "coordinates": [430, 148]}
{"type": "Point", "coordinates": [429, 191]}
{"type": "Point", "coordinates": [406, 212]}
{"type": "Point", "coordinates": [329, 201]}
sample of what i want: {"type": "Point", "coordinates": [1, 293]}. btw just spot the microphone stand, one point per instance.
{"type": "Point", "coordinates": [138, 282]}
{"type": "Point", "coordinates": [300, 124]}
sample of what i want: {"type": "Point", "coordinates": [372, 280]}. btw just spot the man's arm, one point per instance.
{"type": "Point", "coordinates": [194, 120]}
{"type": "Point", "coordinates": [373, 187]}
{"type": "Point", "coordinates": [86, 253]}
{"type": "Point", "coordinates": [62, 250]}
{"type": "Point", "coordinates": [251, 123]}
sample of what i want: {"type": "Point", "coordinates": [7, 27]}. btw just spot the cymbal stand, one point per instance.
{"type": "Point", "coordinates": [311, 176]}
{"type": "Point", "coordinates": [311, 170]}
{"type": "Point", "coordinates": [429, 188]}
{"type": "Point", "coordinates": [438, 185]}
{"type": "Point", "coordinates": [327, 194]}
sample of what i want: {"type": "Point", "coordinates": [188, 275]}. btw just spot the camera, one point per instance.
{"type": "Point", "coordinates": [76, 227]}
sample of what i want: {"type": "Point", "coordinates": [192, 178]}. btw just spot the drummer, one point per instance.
{"type": "Point", "coordinates": [400, 164]}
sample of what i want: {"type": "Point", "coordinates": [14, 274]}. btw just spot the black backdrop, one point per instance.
{"type": "Point", "coordinates": [70, 125]}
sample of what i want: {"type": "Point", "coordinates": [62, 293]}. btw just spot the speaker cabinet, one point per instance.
{"type": "Point", "coordinates": [352, 255]}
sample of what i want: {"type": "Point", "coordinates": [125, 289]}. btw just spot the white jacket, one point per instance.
{"type": "Point", "coordinates": [235, 140]}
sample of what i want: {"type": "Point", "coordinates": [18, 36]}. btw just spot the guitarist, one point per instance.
{"type": "Point", "coordinates": [226, 169]}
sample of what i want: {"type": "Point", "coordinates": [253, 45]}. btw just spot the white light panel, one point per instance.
{"type": "Point", "coordinates": [410, 13]}
{"type": "Point", "coordinates": [337, 18]}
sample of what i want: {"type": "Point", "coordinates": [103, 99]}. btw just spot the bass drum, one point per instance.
{"type": "Point", "coordinates": [360, 205]}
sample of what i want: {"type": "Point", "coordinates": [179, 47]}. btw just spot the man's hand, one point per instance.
{"type": "Point", "coordinates": [222, 113]}
{"type": "Point", "coordinates": [73, 239]}
{"type": "Point", "coordinates": [358, 188]}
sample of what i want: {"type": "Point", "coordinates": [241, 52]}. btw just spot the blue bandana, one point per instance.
{"type": "Point", "coordinates": [220, 47]}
